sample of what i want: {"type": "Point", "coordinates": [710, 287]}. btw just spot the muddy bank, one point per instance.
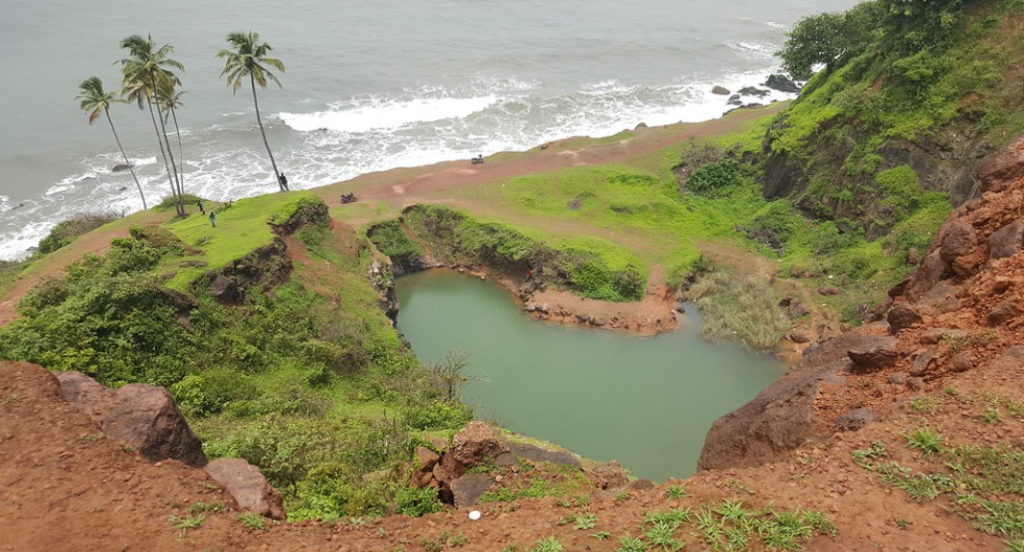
{"type": "Point", "coordinates": [654, 313]}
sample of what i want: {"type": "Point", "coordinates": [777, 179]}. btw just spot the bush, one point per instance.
{"type": "Point", "coordinates": [391, 240]}
{"type": "Point", "coordinates": [417, 502]}
{"type": "Point", "coordinates": [67, 231]}
{"type": "Point", "coordinates": [438, 415]}
{"type": "Point", "coordinates": [714, 177]}
{"type": "Point", "coordinates": [899, 191]}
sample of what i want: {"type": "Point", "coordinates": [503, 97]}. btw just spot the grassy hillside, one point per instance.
{"type": "Point", "coordinates": [927, 87]}
{"type": "Point", "coordinates": [303, 376]}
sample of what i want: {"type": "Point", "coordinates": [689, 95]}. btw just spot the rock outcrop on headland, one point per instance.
{"type": "Point", "coordinates": [963, 307]}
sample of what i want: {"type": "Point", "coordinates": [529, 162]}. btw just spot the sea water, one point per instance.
{"type": "Point", "coordinates": [370, 85]}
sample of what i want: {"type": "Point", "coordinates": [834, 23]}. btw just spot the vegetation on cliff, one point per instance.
{"type": "Point", "coordinates": [925, 86]}
{"type": "Point", "coordinates": [300, 372]}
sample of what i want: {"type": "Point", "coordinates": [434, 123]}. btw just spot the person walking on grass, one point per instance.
{"type": "Point", "coordinates": [202, 211]}
{"type": "Point", "coordinates": [213, 219]}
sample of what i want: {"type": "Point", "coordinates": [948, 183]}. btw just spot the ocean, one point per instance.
{"type": "Point", "coordinates": [370, 85]}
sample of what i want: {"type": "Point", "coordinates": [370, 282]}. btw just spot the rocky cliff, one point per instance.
{"type": "Point", "coordinates": [962, 308]}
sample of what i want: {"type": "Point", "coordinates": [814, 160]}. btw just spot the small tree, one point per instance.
{"type": "Point", "coordinates": [813, 40]}
{"type": "Point", "coordinates": [449, 375]}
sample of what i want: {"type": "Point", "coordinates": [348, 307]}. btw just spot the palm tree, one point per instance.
{"type": "Point", "coordinates": [170, 100]}
{"type": "Point", "coordinates": [95, 100]}
{"type": "Point", "coordinates": [143, 71]}
{"type": "Point", "coordinates": [248, 59]}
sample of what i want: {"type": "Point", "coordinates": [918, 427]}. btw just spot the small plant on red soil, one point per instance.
{"type": "Point", "coordinates": [927, 440]}
{"type": "Point", "coordinates": [550, 544]}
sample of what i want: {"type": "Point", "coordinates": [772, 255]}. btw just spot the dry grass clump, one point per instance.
{"type": "Point", "coordinates": [742, 308]}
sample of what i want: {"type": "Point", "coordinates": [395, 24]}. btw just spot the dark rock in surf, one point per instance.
{"type": "Point", "coordinates": [120, 167]}
{"type": "Point", "coordinates": [782, 83]}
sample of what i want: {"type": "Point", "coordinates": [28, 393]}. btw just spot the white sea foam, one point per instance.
{"type": "Point", "coordinates": [753, 50]}
{"type": "Point", "coordinates": [377, 132]}
{"type": "Point", "coordinates": [387, 114]}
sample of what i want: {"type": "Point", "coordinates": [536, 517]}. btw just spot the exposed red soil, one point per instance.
{"type": "Point", "coordinates": [64, 487]}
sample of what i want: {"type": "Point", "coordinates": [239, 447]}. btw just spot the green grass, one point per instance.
{"type": "Point", "coordinates": [242, 227]}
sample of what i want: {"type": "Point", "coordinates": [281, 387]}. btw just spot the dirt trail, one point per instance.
{"type": "Point", "coordinates": [400, 188]}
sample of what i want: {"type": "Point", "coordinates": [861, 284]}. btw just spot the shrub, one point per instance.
{"type": "Point", "coordinates": [417, 502]}
{"type": "Point", "coordinates": [438, 415]}
{"type": "Point", "coordinates": [67, 231]}
{"type": "Point", "coordinates": [714, 177]}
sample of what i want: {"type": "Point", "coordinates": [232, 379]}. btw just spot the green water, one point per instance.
{"type": "Point", "coordinates": [645, 401]}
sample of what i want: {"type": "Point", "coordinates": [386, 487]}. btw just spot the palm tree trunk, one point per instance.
{"type": "Point", "coordinates": [126, 161]}
{"type": "Point", "coordinates": [163, 153]}
{"type": "Point", "coordinates": [170, 154]}
{"type": "Point", "coordinates": [256, 102]}
{"type": "Point", "coordinates": [181, 156]}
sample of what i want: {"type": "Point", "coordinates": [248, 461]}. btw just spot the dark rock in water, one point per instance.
{"type": "Point", "coordinates": [734, 98]}
{"type": "Point", "coordinates": [752, 91]}
{"type": "Point", "coordinates": [32, 249]}
{"type": "Point", "coordinates": [120, 167]}
{"type": "Point", "coordinates": [855, 419]}
{"type": "Point", "coordinates": [782, 83]}
{"type": "Point", "coordinates": [720, 90]}
{"type": "Point", "coordinates": [737, 103]}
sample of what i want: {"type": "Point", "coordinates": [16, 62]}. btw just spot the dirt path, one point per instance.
{"type": "Point", "coordinates": [400, 188]}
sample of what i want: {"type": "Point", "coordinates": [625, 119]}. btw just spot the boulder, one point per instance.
{"type": "Point", "coordinates": [86, 394]}
{"type": "Point", "coordinates": [799, 336]}
{"type": "Point", "coordinates": [720, 90]}
{"type": "Point", "coordinates": [828, 290]}
{"type": "Point", "coordinates": [1003, 312]}
{"type": "Point", "coordinates": [797, 309]}
{"type": "Point", "coordinates": [924, 362]}
{"type": "Point", "coordinates": [874, 355]}
{"type": "Point", "coordinates": [146, 418]}
{"type": "Point", "coordinates": [782, 83]}
{"type": "Point", "coordinates": [901, 316]}
{"type": "Point", "coordinates": [855, 419]}
{"type": "Point", "coordinates": [751, 91]}
{"type": "Point", "coordinates": [1003, 167]}
{"type": "Point", "coordinates": [224, 289]}
{"type": "Point", "coordinates": [609, 476]}
{"type": "Point", "coordinates": [1006, 241]}
{"type": "Point", "coordinates": [927, 275]}
{"type": "Point", "coordinates": [958, 240]}
{"type": "Point", "coordinates": [248, 486]}
{"type": "Point", "coordinates": [962, 362]}
{"type": "Point", "coordinates": [537, 454]}
{"type": "Point", "coordinates": [120, 167]}
{"type": "Point", "coordinates": [468, 489]}
{"type": "Point", "coordinates": [472, 445]}
{"type": "Point", "coordinates": [640, 485]}
{"type": "Point", "coordinates": [935, 335]}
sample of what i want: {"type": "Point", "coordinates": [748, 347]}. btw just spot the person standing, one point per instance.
{"type": "Point", "coordinates": [284, 181]}
{"type": "Point", "coordinates": [202, 211]}
{"type": "Point", "coordinates": [213, 219]}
